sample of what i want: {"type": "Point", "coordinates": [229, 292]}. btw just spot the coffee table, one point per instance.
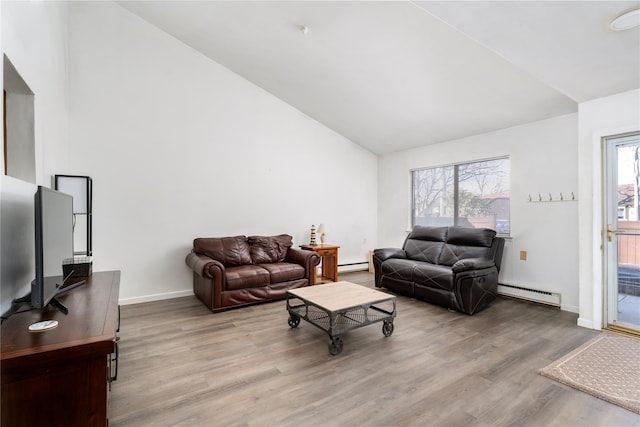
{"type": "Point", "coordinates": [339, 307]}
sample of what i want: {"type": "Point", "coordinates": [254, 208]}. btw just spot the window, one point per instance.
{"type": "Point", "coordinates": [469, 194]}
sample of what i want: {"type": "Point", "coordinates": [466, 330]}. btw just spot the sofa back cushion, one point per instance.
{"type": "Point", "coordinates": [463, 243]}
{"type": "Point", "coordinates": [425, 243]}
{"type": "Point", "coordinates": [229, 251]}
{"type": "Point", "coordinates": [470, 236]}
{"type": "Point", "coordinates": [267, 249]}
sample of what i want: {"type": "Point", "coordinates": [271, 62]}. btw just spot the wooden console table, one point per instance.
{"type": "Point", "coordinates": [329, 254]}
{"type": "Point", "coordinates": [60, 377]}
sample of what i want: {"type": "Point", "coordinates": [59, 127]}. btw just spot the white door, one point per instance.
{"type": "Point", "coordinates": [622, 244]}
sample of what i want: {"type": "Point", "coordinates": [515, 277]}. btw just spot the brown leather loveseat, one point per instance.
{"type": "Point", "coordinates": [239, 270]}
{"type": "Point", "coordinates": [454, 267]}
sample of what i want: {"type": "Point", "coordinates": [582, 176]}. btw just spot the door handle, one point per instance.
{"type": "Point", "coordinates": [610, 232]}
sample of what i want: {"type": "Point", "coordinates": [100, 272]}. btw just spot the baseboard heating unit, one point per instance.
{"type": "Point", "coordinates": [543, 297]}
{"type": "Point", "coordinates": [354, 266]}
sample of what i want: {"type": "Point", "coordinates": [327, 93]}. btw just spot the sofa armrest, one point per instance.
{"type": "Point", "coordinates": [204, 266]}
{"type": "Point", "coordinates": [308, 259]}
{"type": "Point", "coordinates": [472, 264]}
{"type": "Point", "coordinates": [475, 289]}
{"type": "Point", "coordinates": [209, 279]}
{"type": "Point", "coordinates": [381, 255]}
{"type": "Point", "coordinates": [386, 253]}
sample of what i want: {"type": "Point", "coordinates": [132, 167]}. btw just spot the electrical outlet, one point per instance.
{"type": "Point", "coordinates": [523, 255]}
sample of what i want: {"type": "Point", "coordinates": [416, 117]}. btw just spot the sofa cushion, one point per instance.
{"type": "Point", "coordinates": [284, 271]}
{"type": "Point", "coordinates": [397, 268]}
{"type": "Point", "coordinates": [432, 234]}
{"type": "Point", "coordinates": [246, 276]}
{"type": "Point", "coordinates": [433, 276]}
{"type": "Point", "coordinates": [420, 250]}
{"type": "Point", "coordinates": [463, 243]}
{"type": "Point", "coordinates": [470, 236]}
{"type": "Point", "coordinates": [267, 249]}
{"type": "Point", "coordinates": [425, 243]}
{"type": "Point", "coordinates": [229, 251]}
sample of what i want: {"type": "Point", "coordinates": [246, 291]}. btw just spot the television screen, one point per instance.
{"type": "Point", "coordinates": [54, 242]}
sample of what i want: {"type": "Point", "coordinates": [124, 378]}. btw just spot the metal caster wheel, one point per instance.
{"type": "Point", "coordinates": [387, 328]}
{"type": "Point", "coordinates": [294, 321]}
{"type": "Point", "coordinates": [335, 345]}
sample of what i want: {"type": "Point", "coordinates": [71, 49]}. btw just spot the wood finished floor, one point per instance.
{"type": "Point", "coordinates": [181, 365]}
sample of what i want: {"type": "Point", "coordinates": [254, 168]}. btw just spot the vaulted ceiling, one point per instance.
{"type": "Point", "coordinates": [392, 75]}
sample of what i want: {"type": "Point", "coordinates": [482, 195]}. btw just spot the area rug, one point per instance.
{"type": "Point", "coordinates": [607, 367]}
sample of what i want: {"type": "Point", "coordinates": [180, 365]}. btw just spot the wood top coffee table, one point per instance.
{"type": "Point", "coordinates": [340, 307]}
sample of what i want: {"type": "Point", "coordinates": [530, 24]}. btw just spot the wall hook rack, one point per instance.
{"type": "Point", "coordinates": [560, 198]}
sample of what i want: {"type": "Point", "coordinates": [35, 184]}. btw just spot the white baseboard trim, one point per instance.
{"type": "Point", "coordinates": [586, 323]}
{"type": "Point", "coordinates": [156, 297]}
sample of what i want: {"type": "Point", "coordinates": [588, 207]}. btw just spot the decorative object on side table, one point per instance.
{"type": "Point", "coordinates": [312, 242]}
{"type": "Point", "coordinates": [322, 230]}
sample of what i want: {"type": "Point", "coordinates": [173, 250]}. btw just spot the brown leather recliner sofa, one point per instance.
{"type": "Point", "coordinates": [239, 270]}
{"type": "Point", "coordinates": [453, 267]}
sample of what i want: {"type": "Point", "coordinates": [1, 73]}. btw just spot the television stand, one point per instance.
{"type": "Point", "coordinates": [61, 377]}
{"type": "Point", "coordinates": [60, 306]}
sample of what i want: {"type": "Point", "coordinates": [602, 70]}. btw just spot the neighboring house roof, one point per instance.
{"type": "Point", "coordinates": [503, 195]}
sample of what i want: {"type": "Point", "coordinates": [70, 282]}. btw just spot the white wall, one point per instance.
{"type": "Point", "coordinates": [598, 118]}
{"type": "Point", "coordinates": [180, 147]}
{"type": "Point", "coordinates": [543, 160]}
{"type": "Point", "coordinates": [34, 37]}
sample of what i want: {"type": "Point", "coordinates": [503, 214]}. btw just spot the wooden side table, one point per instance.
{"type": "Point", "coordinates": [329, 254]}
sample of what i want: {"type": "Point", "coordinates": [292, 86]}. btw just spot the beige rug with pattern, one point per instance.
{"type": "Point", "coordinates": [607, 366]}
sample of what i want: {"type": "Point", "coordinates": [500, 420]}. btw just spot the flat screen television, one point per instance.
{"type": "Point", "coordinates": [54, 243]}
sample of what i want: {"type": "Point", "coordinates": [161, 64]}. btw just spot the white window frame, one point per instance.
{"type": "Point", "coordinates": [456, 185]}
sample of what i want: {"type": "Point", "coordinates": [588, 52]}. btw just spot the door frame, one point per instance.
{"type": "Point", "coordinates": [610, 218]}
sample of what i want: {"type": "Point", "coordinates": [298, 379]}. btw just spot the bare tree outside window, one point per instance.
{"type": "Point", "coordinates": [470, 194]}
{"type": "Point", "coordinates": [433, 196]}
